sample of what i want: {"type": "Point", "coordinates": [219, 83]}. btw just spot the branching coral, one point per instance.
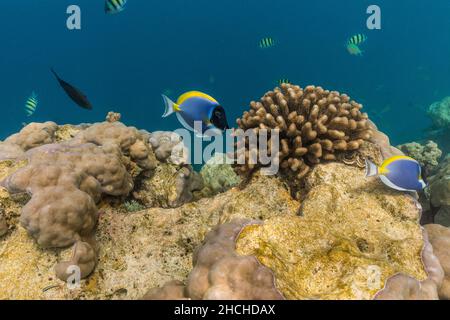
{"type": "Point", "coordinates": [314, 124]}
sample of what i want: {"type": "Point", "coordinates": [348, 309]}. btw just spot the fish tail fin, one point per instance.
{"type": "Point", "coordinates": [171, 107]}
{"type": "Point", "coordinates": [371, 169]}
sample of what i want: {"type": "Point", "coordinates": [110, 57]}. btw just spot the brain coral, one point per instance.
{"type": "Point", "coordinates": [315, 125]}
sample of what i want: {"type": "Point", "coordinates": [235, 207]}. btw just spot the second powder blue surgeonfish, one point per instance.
{"type": "Point", "coordinates": [401, 173]}
{"type": "Point", "coordinates": [197, 110]}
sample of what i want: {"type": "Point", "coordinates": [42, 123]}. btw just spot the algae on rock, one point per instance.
{"type": "Point", "coordinates": [352, 235]}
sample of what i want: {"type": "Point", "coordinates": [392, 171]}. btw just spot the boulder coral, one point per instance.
{"type": "Point", "coordinates": [31, 136]}
{"type": "Point", "coordinates": [221, 274]}
{"type": "Point", "coordinates": [67, 180]}
{"type": "Point", "coordinates": [439, 112]}
{"type": "Point", "coordinates": [314, 125]}
{"type": "Point", "coordinates": [440, 240]}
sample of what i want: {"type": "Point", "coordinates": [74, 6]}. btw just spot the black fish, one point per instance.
{"type": "Point", "coordinates": [76, 95]}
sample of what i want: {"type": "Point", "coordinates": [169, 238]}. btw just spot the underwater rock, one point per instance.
{"type": "Point", "coordinates": [315, 126]}
{"type": "Point", "coordinates": [440, 240]}
{"type": "Point", "coordinates": [427, 155]}
{"type": "Point", "coordinates": [3, 225]}
{"type": "Point", "coordinates": [169, 186]}
{"type": "Point", "coordinates": [439, 112]}
{"type": "Point", "coordinates": [440, 185]}
{"type": "Point", "coordinates": [364, 234]}
{"type": "Point", "coordinates": [169, 147]}
{"type": "Point", "coordinates": [218, 176]}
{"type": "Point", "coordinates": [443, 216]}
{"type": "Point", "coordinates": [137, 251]}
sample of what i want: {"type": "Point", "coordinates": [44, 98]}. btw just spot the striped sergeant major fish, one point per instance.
{"type": "Point", "coordinates": [357, 39]}
{"type": "Point", "coordinates": [266, 43]}
{"type": "Point", "coordinates": [31, 104]}
{"type": "Point", "coordinates": [114, 6]}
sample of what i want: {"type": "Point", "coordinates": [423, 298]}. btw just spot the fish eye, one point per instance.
{"type": "Point", "coordinates": [218, 114]}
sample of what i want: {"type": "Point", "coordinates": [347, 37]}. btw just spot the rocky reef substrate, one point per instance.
{"type": "Point", "coordinates": [123, 206]}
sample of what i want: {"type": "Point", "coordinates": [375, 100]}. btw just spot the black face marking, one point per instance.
{"type": "Point", "coordinates": [219, 118]}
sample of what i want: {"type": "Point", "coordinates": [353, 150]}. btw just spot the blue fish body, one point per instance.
{"type": "Point", "coordinates": [400, 173]}
{"type": "Point", "coordinates": [195, 108]}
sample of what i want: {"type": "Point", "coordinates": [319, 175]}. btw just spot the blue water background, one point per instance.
{"type": "Point", "coordinates": [124, 62]}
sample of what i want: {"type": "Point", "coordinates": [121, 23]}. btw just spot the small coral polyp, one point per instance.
{"type": "Point", "coordinates": [314, 124]}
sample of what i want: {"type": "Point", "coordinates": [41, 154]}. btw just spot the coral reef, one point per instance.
{"type": "Point", "coordinates": [137, 251]}
{"type": "Point", "coordinates": [439, 190]}
{"type": "Point", "coordinates": [368, 244]}
{"type": "Point", "coordinates": [218, 176]}
{"type": "Point", "coordinates": [427, 155]}
{"type": "Point", "coordinates": [169, 147]}
{"type": "Point", "coordinates": [65, 194]}
{"type": "Point", "coordinates": [31, 136]}
{"type": "Point", "coordinates": [440, 240]}
{"type": "Point", "coordinates": [67, 180]}
{"type": "Point", "coordinates": [314, 124]}
{"type": "Point", "coordinates": [362, 230]}
{"type": "Point", "coordinates": [439, 112]}
{"type": "Point", "coordinates": [169, 186]}
{"type": "Point", "coordinates": [405, 287]}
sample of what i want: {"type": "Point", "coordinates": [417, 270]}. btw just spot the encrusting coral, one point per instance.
{"type": "Point", "coordinates": [314, 125]}
{"type": "Point", "coordinates": [427, 155]}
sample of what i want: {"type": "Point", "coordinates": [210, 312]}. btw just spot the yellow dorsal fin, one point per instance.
{"type": "Point", "coordinates": [192, 94]}
{"type": "Point", "coordinates": [387, 162]}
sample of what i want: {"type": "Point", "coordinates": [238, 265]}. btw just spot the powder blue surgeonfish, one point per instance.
{"type": "Point", "coordinates": [401, 173]}
{"type": "Point", "coordinates": [197, 110]}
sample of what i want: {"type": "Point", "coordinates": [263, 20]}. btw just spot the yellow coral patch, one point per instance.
{"type": "Point", "coordinates": [352, 237]}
